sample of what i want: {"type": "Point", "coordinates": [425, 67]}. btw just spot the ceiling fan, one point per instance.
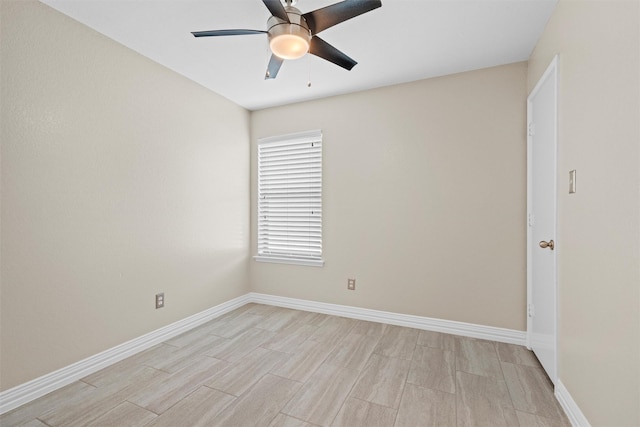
{"type": "Point", "coordinates": [293, 34]}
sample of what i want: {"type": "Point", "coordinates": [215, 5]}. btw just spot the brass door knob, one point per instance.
{"type": "Point", "coordinates": [548, 244]}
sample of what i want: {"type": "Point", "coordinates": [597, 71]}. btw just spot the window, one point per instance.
{"type": "Point", "coordinates": [290, 199]}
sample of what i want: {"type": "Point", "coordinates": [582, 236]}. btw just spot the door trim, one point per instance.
{"type": "Point", "coordinates": [550, 72]}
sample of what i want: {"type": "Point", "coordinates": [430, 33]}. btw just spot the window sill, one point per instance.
{"type": "Point", "coordinates": [293, 261]}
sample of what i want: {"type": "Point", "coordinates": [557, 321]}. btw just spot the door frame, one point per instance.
{"type": "Point", "coordinates": [550, 72]}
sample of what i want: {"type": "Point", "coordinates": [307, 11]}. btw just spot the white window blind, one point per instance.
{"type": "Point", "coordinates": [290, 198]}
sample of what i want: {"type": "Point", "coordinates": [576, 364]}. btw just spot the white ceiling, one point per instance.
{"type": "Point", "coordinates": [402, 41]}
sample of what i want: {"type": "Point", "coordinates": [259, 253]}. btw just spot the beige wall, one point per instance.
{"type": "Point", "coordinates": [599, 226]}
{"type": "Point", "coordinates": [424, 190]}
{"type": "Point", "coordinates": [120, 179]}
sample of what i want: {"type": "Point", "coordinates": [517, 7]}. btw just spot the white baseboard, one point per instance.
{"type": "Point", "coordinates": [571, 408]}
{"type": "Point", "coordinates": [438, 325]}
{"type": "Point", "coordinates": [38, 387]}
{"type": "Point", "coordinates": [24, 393]}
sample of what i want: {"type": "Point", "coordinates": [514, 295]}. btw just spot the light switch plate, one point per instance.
{"type": "Point", "coordinates": [572, 181]}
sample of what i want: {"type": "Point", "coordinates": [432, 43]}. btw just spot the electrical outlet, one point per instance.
{"type": "Point", "coordinates": [160, 300]}
{"type": "Point", "coordinates": [351, 284]}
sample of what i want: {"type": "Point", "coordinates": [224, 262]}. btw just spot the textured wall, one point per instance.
{"type": "Point", "coordinates": [424, 194]}
{"type": "Point", "coordinates": [599, 226]}
{"type": "Point", "coordinates": [120, 179]}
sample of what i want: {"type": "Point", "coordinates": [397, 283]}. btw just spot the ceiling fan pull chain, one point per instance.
{"type": "Point", "coordinates": [309, 64]}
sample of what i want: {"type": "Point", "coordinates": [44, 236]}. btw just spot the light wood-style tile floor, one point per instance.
{"type": "Point", "coordinates": [267, 366]}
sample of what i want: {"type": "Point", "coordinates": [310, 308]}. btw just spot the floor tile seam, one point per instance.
{"type": "Point", "coordinates": [275, 375]}
{"type": "Point", "coordinates": [404, 385]}
{"type": "Point", "coordinates": [283, 353]}
{"type": "Point", "coordinates": [167, 372]}
{"type": "Point", "coordinates": [238, 333]}
{"type": "Point", "coordinates": [432, 389]}
{"type": "Point", "coordinates": [435, 348]}
{"type": "Point", "coordinates": [221, 391]}
{"type": "Point", "coordinates": [416, 366]}
{"type": "Point", "coordinates": [438, 348]}
{"type": "Point", "coordinates": [360, 371]}
{"type": "Point", "coordinates": [294, 417]}
{"type": "Point", "coordinates": [146, 409]}
{"type": "Point", "coordinates": [505, 384]}
{"type": "Point", "coordinates": [324, 360]}
{"type": "Point", "coordinates": [348, 395]}
{"type": "Point", "coordinates": [81, 380]}
{"type": "Point", "coordinates": [457, 395]}
{"type": "Point", "coordinates": [198, 384]}
{"type": "Point", "coordinates": [541, 371]}
{"type": "Point", "coordinates": [344, 337]}
{"type": "Point", "coordinates": [95, 407]}
{"type": "Point", "coordinates": [504, 378]}
{"type": "Point", "coordinates": [401, 358]}
{"type": "Point", "coordinates": [109, 394]}
{"type": "Point", "coordinates": [541, 416]}
{"type": "Point", "coordinates": [38, 419]}
{"type": "Point", "coordinates": [220, 336]}
{"type": "Point", "coordinates": [395, 419]}
{"type": "Point", "coordinates": [435, 389]}
{"type": "Point", "coordinates": [235, 396]}
{"type": "Point", "coordinates": [341, 366]}
{"type": "Point", "coordinates": [353, 325]}
{"type": "Point", "coordinates": [415, 344]}
{"type": "Point", "coordinates": [203, 352]}
{"type": "Point", "coordinates": [378, 336]}
{"type": "Point", "coordinates": [40, 415]}
{"type": "Point", "coordinates": [325, 341]}
{"type": "Point", "coordinates": [425, 370]}
{"type": "Point", "coordinates": [375, 403]}
{"type": "Point", "coordinates": [180, 371]}
{"type": "Point", "coordinates": [187, 351]}
{"type": "Point", "coordinates": [293, 396]}
{"type": "Point", "coordinates": [254, 364]}
{"type": "Point", "coordinates": [173, 345]}
{"type": "Point", "coordinates": [480, 375]}
{"type": "Point", "coordinates": [481, 356]}
{"type": "Point", "coordinates": [135, 404]}
{"type": "Point", "coordinates": [499, 356]}
{"type": "Point", "coordinates": [233, 400]}
{"type": "Point", "coordinates": [513, 404]}
{"type": "Point", "coordinates": [175, 403]}
{"type": "Point", "coordinates": [404, 382]}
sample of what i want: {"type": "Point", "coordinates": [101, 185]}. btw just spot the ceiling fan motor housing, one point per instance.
{"type": "Point", "coordinates": [295, 31]}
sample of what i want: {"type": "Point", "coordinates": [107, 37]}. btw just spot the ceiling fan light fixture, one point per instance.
{"type": "Point", "coordinates": [289, 40]}
{"type": "Point", "coordinates": [289, 46]}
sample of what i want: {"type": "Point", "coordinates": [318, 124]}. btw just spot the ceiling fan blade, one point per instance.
{"type": "Point", "coordinates": [324, 50]}
{"type": "Point", "coordinates": [277, 9]}
{"type": "Point", "coordinates": [274, 66]}
{"type": "Point", "coordinates": [321, 19]}
{"type": "Point", "coordinates": [215, 33]}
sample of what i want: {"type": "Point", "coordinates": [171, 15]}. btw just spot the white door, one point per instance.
{"type": "Point", "coordinates": [542, 118]}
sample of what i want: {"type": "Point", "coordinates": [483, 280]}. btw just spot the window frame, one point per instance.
{"type": "Point", "coordinates": [313, 136]}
